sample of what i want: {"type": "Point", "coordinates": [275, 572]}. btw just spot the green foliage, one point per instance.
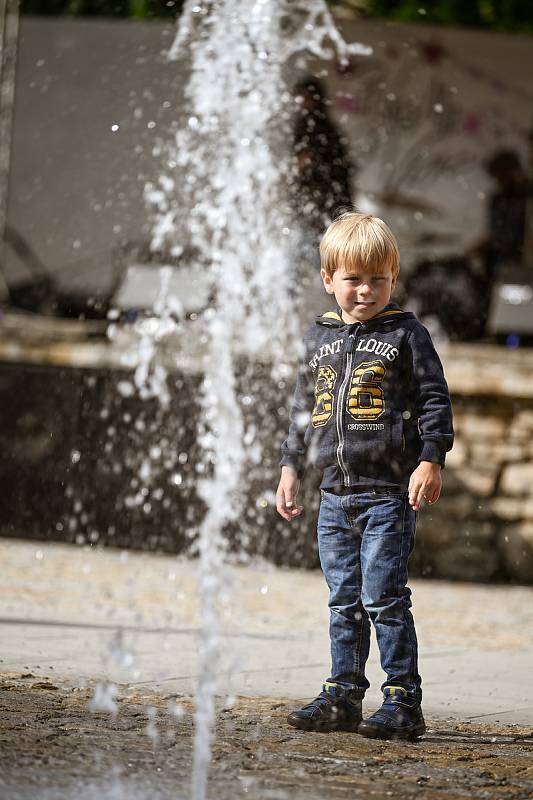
{"type": "Point", "coordinates": [503, 15]}
{"type": "Point", "coordinates": [141, 9]}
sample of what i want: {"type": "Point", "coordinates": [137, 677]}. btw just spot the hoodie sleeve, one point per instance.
{"type": "Point", "coordinates": [433, 405]}
{"type": "Point", "coordinates": [294, 448]}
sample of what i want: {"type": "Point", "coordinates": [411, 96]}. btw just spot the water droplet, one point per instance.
{"type": "Point", "coordinates": [125, 388]}
{"type": "Point", "coordinates": [104, 699]}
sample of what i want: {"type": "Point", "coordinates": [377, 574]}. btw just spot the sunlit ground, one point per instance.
{"type": "Point", "coordinates": [98, 670]}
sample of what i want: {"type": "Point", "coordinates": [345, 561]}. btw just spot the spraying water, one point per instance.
{"type": "Point", "coordinates": [223, 204]}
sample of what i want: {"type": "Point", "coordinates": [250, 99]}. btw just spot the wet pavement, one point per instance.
{"type": "Point", "coordinates": [72, 618]}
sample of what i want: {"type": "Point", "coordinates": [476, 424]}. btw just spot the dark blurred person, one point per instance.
{"type": "Point", "coordinates": [507, 207]}
{"type": "Point", "coordinates": [323, 170]}
{"type": "Point", "coordinates": [504, 251]}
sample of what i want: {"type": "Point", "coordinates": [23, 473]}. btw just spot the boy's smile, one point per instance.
{"type": "Point", "coordinates": [361, 295]}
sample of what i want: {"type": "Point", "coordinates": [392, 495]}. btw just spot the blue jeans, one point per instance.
{"type": "Point", "coordinates": [364, 541]}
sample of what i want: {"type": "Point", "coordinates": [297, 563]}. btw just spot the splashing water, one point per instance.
{"type": "Point", "coordinates": [222, 204]}
{"type": "Point", "coordinates": [150, 373]}
{"type": "Point", "coordinates": [104, 698]}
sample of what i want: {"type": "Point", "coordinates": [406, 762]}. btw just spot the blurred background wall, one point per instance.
{"type": "Point", "coordinates": [94, 97]}
{"type": "Point", "coordinates": [94, 100]}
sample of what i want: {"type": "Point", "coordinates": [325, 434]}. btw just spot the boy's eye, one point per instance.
{"type": "Point", "coordinates": [358, 278]}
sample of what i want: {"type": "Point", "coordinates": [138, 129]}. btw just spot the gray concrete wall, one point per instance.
{"type": "Point", "coordinates": [76, 185]}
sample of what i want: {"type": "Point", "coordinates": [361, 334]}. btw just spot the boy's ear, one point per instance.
{"type": "Point", "coordinates": [326, 280]}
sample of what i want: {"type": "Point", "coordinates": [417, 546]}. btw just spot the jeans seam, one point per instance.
{"type": "Point", "coordinates": [400, 555]}
{"type": "Point", "coordinates": [357, 654]}
{"type": "Point", "coordinates": [352, 521]}
{"type": "Point", "coordinates": [404, 610]}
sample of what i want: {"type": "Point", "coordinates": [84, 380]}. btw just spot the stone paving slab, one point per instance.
{"type": "Point", "coordinates": [84, 615]}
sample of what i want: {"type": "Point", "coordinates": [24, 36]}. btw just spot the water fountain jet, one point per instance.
{"type": "Point", "coordinates": [223, 193]}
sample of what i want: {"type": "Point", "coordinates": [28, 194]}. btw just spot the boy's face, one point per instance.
{"type": "Point", "coordinates": [361, 294]}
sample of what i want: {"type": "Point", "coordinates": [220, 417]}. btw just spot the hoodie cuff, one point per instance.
{"type": "Point", "coordinates": [433, 451]}
{"type": "Point", "coordinates": [295, 463]}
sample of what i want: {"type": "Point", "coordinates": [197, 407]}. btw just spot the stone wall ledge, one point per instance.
{"type": "Point", "coordinates": [488, 370]}
{"type": "Point", "coordinates": [482, 527]}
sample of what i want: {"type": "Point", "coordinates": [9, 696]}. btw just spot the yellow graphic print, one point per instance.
{"type": "Point", "coordinates": [324, 385]}
{"type": "Point", "coordinates": [365, 398]}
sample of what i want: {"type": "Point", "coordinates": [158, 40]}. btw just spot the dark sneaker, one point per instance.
{"type": "Point", "coordinates": [400, 717]}
{"type": "Point", "coordinates": [335, 709]}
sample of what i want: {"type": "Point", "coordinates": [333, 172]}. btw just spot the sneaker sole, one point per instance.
{"type": "Point", "coordinates": [377, 732]}
{"type": "Point", "coordinates": [310, 725]}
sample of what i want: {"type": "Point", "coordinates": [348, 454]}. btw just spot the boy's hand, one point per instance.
{"type": "Point", "coordinates": [425, 484]}
{"type": "Point", "coordinates": [288, 488]}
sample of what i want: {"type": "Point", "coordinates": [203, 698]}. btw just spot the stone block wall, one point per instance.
{"type": "Point", "coordinates": [57, 401]}
{"type": "Point", "coordinates": [482, 528]}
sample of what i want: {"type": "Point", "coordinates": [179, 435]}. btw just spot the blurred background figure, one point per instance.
{"type": "Point", "coordinates": [469, 292]}
{"type": "Point", "coordinates": [323, 178]}
{"type": "Point", "coordinates": [504, 241]}
{"type": "Point", "coordinates": [504, 253]}
{"type": "Point", "coordinates": [324, 171]}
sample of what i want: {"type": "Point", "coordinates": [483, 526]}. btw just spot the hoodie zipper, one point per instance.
{"type": "Point", "coordinates": [340, 409]}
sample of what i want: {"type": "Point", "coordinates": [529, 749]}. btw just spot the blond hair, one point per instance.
{"type": "Point", "coordinates": [359, 241]}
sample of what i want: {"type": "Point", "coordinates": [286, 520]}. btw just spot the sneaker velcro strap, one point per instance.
{"type": "Point", "coordinates": [338, 691]}
{"type": "Point", "coordinates": [395, 691]}
{"type": "Point", "coordinates": [333, 689]}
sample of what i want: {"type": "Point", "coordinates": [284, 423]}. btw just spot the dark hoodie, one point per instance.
{"type": "Point", "coordinates": [371, 402]}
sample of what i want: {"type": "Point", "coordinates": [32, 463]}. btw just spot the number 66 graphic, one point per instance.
{"type": "Point", "coordinates": [325, 383]}
{"type": "Point", "coordinates": [365, 398]}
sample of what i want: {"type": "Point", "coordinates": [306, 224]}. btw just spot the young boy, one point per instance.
{"type": "Point", "coordinates": [372, 411]}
